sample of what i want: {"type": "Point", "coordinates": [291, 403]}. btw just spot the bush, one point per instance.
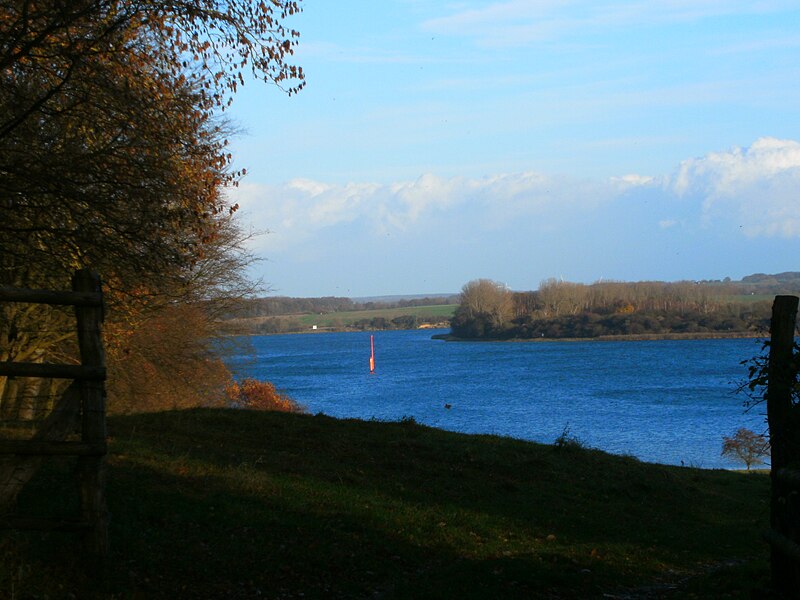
{"type": "Point", "coordinates": [747, 447]}
{"type": "Point", "coordinates": [253, 394]}
{"type": "Point", "coordinates": [568, 442]}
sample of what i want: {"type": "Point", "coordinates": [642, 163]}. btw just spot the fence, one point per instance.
{"type": "Point", "coordinates": [82, 403]}
{"type": "Point", "coordinates": [783, 415]}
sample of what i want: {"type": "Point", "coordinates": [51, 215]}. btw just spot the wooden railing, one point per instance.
{"type": "Point", "coordinates": [89, 376]}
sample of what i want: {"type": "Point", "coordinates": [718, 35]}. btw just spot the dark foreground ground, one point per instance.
{"type": "Point", "coordinates": [237, 504]}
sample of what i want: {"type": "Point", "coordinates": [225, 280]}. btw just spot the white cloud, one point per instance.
{"type": "Point", "coordinates": [758, 187]}
{"type": "Point", "coordinates": [752, 191]}
{"type": "Point", "coordinates": [526, 21]}
{"type": "Point", "coordinates": [529, 225]}
{"type": "Point", "coordinates": [295, 210]}
{"type": "Point", "coordinates": [632, 181]}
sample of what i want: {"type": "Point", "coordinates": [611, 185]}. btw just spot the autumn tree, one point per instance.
{"type": "Point", "coordinates": [109, 146]}
{"type": "Point", "coordinates": [54, 43]}
{"type": "Point", "coordinates": [485, 306]}
{"type": "Point", "coordinates": [160, 349]}
{"type": "Point", "coordinates": [484, 296]}
{"type": "Point", "coordinates": [525, 303]}
{"type": "Point", "coordinates": [113, 154]}
{"type": "Point", "coordinates": [746, 446]}
{"type": "Point", "coordinates": [562, 297]}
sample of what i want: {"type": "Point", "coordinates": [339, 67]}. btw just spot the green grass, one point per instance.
{"type": "Point", "coordinates": [236, 504]}
{"type": "Point", "coordinates": [347, 318]}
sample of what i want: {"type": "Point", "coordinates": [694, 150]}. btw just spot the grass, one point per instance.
{"type": "Point", "coordinates": [347, 318]}
{"type": "Point", "coordinates": [238, 504]}
{"type": "Point", "coordinates": [342, 320]}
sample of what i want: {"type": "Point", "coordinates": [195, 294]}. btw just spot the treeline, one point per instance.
{"type": "Point", "coordinates": [560, 309]}
{"type": "Point", "coordinates": [283, 305]}
{"type": "Point", "coordinates": [761, 283]}
{"type": "Point", "coordinates": [730, 319]}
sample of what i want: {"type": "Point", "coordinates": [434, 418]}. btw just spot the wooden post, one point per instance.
{"type": "Point", "coordinates": [784, 435]}
{"type": "Point", "coordinates": [90, 469]}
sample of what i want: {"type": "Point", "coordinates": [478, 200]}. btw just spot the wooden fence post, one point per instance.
{"type": "Point", "coordinates": [88, 391]}
{"type": "Point", "coordinates": [90, 469]}
{"type": "Point", "coordinates": [784, 432]}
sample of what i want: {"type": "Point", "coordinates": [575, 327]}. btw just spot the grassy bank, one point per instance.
{"type": "Point", "coordinates": [235, 504]}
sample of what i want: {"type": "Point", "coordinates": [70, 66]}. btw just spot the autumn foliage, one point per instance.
{"type": "Point", "coordinates": [162, 360]}
{"type": "Point", "coordinates": [253, 394]}
{"type": "Point", "coordinates": [746, 446]}
{"type": "Point", "coordinates": [113, 155]}
{"type": "Point", "coordinates": [561, 309]}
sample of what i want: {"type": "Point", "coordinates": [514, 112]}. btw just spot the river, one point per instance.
{"type": "Point", "coordinates": [668, 401]}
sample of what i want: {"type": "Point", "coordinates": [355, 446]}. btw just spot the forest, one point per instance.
{"type": "Point", "coordinates": [562, 309]}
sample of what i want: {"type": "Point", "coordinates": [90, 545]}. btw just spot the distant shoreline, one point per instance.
{"type": "Point", "coordinates": [448, 337]}
{"type": "Point", "coordinates": [634, 337]}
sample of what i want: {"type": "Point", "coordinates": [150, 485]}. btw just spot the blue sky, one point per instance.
{"type": "Point", "coordinates": [439, 142]}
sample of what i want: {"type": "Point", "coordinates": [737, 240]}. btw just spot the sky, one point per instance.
{"type": "Point", "coordinates": [440, 142]}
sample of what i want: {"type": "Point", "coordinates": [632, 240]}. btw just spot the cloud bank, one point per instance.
{"type": "Point", "coordinates": [555, 222]}
{"type": "Point", "coordinates": [757, 187]}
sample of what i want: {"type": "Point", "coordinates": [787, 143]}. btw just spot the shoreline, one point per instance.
{"type": "Point", "coordinates": [449, 337]}
{"type": "Point", "coordinates": [635, 337]}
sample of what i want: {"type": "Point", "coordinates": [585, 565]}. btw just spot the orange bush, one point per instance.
{"type": "Point", "coordinates": [253, 394]}
{"type": "Point", "coordinates": [626, 309]}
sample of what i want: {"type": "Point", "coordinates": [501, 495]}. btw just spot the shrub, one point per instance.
{"type": "Point", "coordinates": [253, 394]}
{"type": "Point", "coordinates": [567, 441]}
{"type": "Point", "coordinates": [747, 447]}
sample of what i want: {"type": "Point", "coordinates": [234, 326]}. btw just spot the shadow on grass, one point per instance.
{"type": "Point", "coordinates": [230, 504]}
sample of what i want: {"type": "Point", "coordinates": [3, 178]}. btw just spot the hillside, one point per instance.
{"type": "Point", "coordinates": [235, 504]}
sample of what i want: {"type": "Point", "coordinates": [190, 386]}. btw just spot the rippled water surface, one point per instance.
{"type": "Point", "coordinates": [662, 401]}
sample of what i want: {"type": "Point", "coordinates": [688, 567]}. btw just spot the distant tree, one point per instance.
{"type": "Point", "coordinates": [746, 446]}
{"type": "Point", "coordinates": [488, 298]}
{"type": "Point", "coordinates": [405, 322]}
{"type": "Point", "coordinates": [563, 297]}
{"type": "Point", "coordinates": [525, 303]}
{"type": "Point", "coordinates": [379, 323]}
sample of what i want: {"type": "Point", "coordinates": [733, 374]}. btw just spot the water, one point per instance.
{"type": "Point", "coordinates": [661, 401]}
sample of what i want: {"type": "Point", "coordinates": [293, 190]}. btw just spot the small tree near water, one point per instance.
{"type": "Point", "coordinates": [746, 446]}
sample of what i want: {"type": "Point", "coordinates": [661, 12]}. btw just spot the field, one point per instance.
{"type": "Point", "coordinates": [347, 318]}
{"type": "Point", "coordinates": [340, 320]}
{"type": "Point", "coordinates": [236, 504]}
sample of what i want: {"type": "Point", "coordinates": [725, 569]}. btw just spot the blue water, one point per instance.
{"type": "Point", "coordinates": [660, 401]}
